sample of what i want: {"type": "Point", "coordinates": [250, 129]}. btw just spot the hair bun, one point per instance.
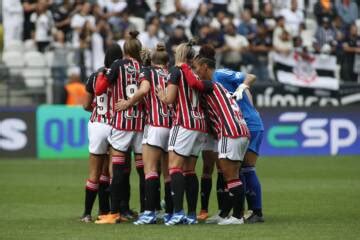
{"type": "Point", "coordinates": [133, 34]}
{"type": "Point", "coordinates": [207, 51]}
{"type": "Point", "coordinates": [160, 47]}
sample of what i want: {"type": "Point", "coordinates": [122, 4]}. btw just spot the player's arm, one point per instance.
{"type": "Point", "coordinates": [87, 105]}
{"type": "Point", "coordinates": [245, 85]}
{"type": "Point", "coordinates": [123, 104]}
{"type": "Point", "coordinates": [200, 85]}
{"type": "Point", "coordinates": [169, 95]}
{"type": "Point", "coordinates": [107, 77]}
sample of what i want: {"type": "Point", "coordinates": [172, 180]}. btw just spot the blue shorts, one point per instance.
{"type": "Point", "coordinates": [255, 141]}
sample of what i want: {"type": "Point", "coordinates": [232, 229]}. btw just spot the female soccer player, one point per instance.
{"type": "Point", "coordinates": [99, 128]}
{"type": "Point", "coordinates": [128, 125]}
{"type": "Point", "coordinates": [157, 129]}
{"type": "Point", "coordinates": [186, 137]}
{"type": "Point", "coordinates": [233, 134]}
{"type": "Point", "coordinates": [238, 82]}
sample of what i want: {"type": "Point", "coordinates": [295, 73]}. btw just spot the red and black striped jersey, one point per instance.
{"type": "Point", "coordinates": [224, 113]}
{"type": "Point", "coordinates": [123, 76]}
{"type": "Point", "coordinates": [102, 111]}
{"type": "Point", "coordinates": [189, 113]}
{"type": "Point", "coordinates": [157, 113]}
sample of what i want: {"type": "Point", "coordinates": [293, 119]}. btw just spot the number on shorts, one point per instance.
{"type": "Point", "coordinates": [101, 102]}
{"type": "Point", "coordinates": [130, 90]}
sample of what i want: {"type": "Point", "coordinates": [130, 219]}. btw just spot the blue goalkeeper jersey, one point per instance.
{"type": "Point", "coordinates": [231, 80]}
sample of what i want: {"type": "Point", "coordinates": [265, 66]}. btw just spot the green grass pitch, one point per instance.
{"type": "Point", "coordinates": [304, 198]}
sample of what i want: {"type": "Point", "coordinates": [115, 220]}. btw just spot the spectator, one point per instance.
{"type": "Point", "coordinates": [60, 61]}
{"type": "Point", "coordinates": [168, 24]}
{"type": "Point", "coordinates": [234, 46]}
{"type": "Point", "coordinates": [350, 68]}
{"type": "Point", "coordinates": [218, 6]}
{"type": "Point", "coordinates": [138, 8]}
{"type": "Point", "coordinates": [180, 15]}
{"type": "Point", "coordinates": [13, 21]}
{"type": "Point", "coordinates": [266, 16]}
{"type": "Point", "coordinates": [43, 21]}
{"type": "Point", "coordinates": [100, 39]}
{"type": "Point", "coordinates": [202, 17]}
{"type": "Point", "coordinates": [246, 27]}
{"type": "Point", "coordinates": [219, 21]}
{"type": "Point", "coordinates": [157, 13]}
{"type": "Point", "coordinates": [325, 37]}
{"type": "Point", "coordinates": [74, 92]}
{"type": "Point", "coordinates": [62, 17]}
{"type": "Point", "coordinates": [293, 17]}
{"type": "Point", "coordinates": [78, 21]}
{"type": "Point", "coordinates": [29, 7]}
{"type": "Point", "coordinates": [348, 11]}
{"type": "Point", "coordinates": [212, 36]}
{"type": "Point", "coordinates": [282, 40]}
{"type": "Point", "coordinates": [150, 39]}
{"type": "Point", "coordinates": [120, 22]}
{"type": "Point", "coordinates": [261, 46]}
{"type": "Point", "coordinates": [324, 8]}
{"type": "Point", "coordinates": [177, 37]}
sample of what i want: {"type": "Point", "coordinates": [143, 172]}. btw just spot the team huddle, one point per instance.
{"type": "Point", "coordinates": [166, 117]}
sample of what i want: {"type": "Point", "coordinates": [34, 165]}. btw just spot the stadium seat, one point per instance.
{"type": "Point", "coordinates": [138, 22]}
{"type": "Point", "coordinates": [14, 61]}
{"type": "Point", "coordinates": [36, 71]}
{"type": "Point", "coordinates": [14, 46]}
{"type": "Point", "coordinates": [311, 25]}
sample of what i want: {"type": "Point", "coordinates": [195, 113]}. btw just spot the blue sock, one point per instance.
{"type": "Point", "coordinates": [253, 190]}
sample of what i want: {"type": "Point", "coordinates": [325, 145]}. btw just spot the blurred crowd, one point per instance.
{"type": "Point", "coordinates": [243, 32]}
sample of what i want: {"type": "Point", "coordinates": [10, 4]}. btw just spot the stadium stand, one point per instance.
{"type": "Point", "coordinates": [76, 29]}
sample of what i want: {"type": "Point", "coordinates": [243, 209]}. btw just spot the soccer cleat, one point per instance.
{"type": "Point", "coordinates": [109, 219]}
{"type": "Point", "coordinates": [248, 214]}
{"type": "Point", "coordinates": [190, 220]}
{"type": "Point", "coordinates": [203, 215]}
{"type": "Point", "coordinates": [129, 215]}
{"type": "Point", "coordinates": [86, 219]}
{"type": "Point", "coordinates": [214, 219]}
{"type": "Point", "coordinates": [167, 217]}
{"type": "Point", "coordinates": [101, 216]}
{"type": "Point", "coordinates": [159, 214]}
{"type": "Point", "coordinates": [231, 221]}
{"type": "Point", "coordinates": [177, 218]}
{"type": "Point", "coordinates": [254, 219]}
{"type": "Point", "coordinates": [147, 217]}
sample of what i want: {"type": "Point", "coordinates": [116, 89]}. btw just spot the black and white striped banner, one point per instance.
{"type": "Point", "coordinates": [305, 70]}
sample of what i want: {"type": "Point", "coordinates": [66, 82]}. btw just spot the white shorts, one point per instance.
{"type": "Point", "coordinates": [233, 148]}
{"type": "Point", "coordinates": [186, 142]}
{"type": "Point", "coordinates": [156, 137]}
{"type": "Point", "coordinates": [122, 140]}
{"type": "Point", "coordinates": [98, 134]}
{"type": "Point", "coordinates": [210, 144]}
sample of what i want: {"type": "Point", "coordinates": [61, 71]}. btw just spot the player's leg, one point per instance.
{"type": "Point", "coordinates": [251, 180]}
{"type": "Point", "coordinates": [120, 143]}
{"type": "Point", "coordinates": [139, 163]}
{"type": "Point", "coordinates": [209, 159]}
{"type": "Point", "coordinates": [125, 212]}
{"type": "Point", "coordinates": [104, 193]}
{"type": "Point", "coordinates": [98, 146]}
{"type": "Point", "coordinates": [169, 205]}
{"type": "Point", "coordinates": [231, 153]}
{"type": "Point", "coordinates": [92, 185]}
{"type": "Point", "coordinates": [152, 156]}
{"type": "Point", "coordinates": [191, 187]}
